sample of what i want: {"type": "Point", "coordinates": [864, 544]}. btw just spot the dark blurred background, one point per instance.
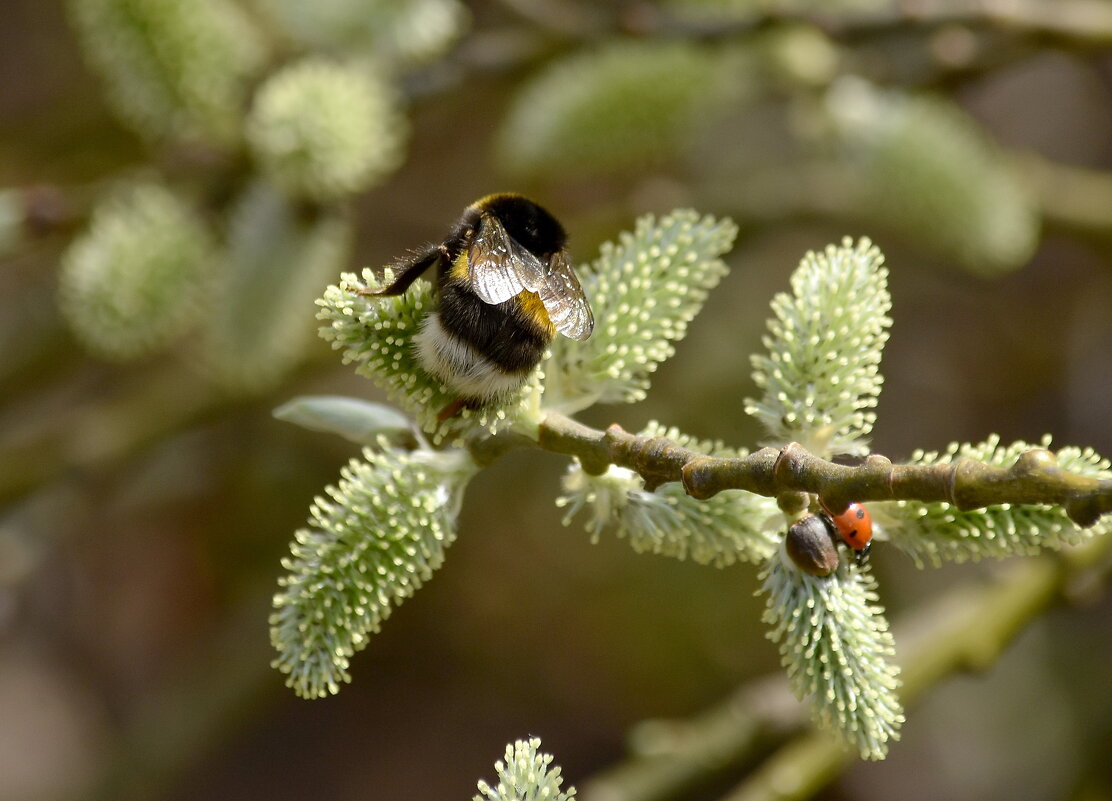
{"type": "Point", "coordinates": [145, 513]}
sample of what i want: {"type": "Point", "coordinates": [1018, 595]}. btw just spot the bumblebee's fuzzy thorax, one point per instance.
{"type": "Point", "coordinates": [505, 288]}
{"type": "Point", "coordinates": [528, 224]}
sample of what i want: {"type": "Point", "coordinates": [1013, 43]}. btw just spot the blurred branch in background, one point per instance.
{"type": "Point", "coordinates": [1084, 21]}
{"type": "Point", "coordinates": [1073, 199]}
{"type": "Point", "coordinates": [41, 446]}
{"type": "Point", "coordinates": [758, 728]}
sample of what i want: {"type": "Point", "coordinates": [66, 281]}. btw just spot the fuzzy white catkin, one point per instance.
{"type": "Point", "coordinates": [820, 375]}
{"type": "Point", "coordinates": [374, 539]}
{"type": "Point", "coordinates": [645, 289]}
{"type": "Point", "coordinates": [172, 70]}
{"type": "Point", "coordinates": [730, 527]}
{"type": "Point", "coordinates": [836, 646]}
{"type": "Point", "coordinates": [322, 130]}
{"type": "Point", "coordinates": [132, 281]}
{"type": "Point", "coordinates": [525, 774]}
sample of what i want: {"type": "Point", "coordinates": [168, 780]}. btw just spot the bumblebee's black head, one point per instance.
{"type": "Point", "coordinates": [530, 225]}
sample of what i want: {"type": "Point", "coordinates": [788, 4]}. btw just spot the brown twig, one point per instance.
{"type": "Point", "coordinates": [966, 483]}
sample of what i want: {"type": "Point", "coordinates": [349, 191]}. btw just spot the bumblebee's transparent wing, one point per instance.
{"type": "Point", "coordinates": [564, 300]}
{"type": "Point", "coordinates": [499, 267]}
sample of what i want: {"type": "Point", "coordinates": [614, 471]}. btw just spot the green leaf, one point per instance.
{"type": "Point", "coordinates": [353, 419]}
{"type": "Point", "coordinates": [259, 323]}
{"type": "Point", "coordinates": [835, 644]}
{"type": "Point", "coordinates": [821, 375]}
{"type": "Point", "coordinates": [372, 542]}
{"type": "Point", "coordinates": [644, 291]}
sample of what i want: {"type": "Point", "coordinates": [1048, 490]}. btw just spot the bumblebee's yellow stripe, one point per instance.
{"type": "Point", "coordinates": [531, 306]}
{"type": "Point", "coordinates": [461, 269]}
{"type": "Point", "coordinates": [529, 303]}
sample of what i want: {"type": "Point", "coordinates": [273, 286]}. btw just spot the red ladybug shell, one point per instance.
{"type": "Point", "coordinates": [854, 526]}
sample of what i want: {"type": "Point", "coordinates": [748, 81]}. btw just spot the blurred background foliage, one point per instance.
{"type": "Point", "coordinates": [178, 182]}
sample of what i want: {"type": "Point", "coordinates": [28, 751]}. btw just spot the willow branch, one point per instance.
{"type": "Point", "coordinates": [1087, 22]}
{"type": "Point", "coordinates": [967, 629]}
{"type": "Point", "coordinates": [1069, 196]}
{"type": "Point", "coordinates": [966, 483]}
{"type": "Point", "coordinates": [142, 411]}
{"type": "Point", "coordinates": [674, 758]}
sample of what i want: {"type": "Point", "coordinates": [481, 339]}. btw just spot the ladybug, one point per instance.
{"type": "Point", "coordinates": [855, 527]}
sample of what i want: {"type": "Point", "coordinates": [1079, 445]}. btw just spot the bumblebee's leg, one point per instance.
{"type": "Point", "coordinates": [411, 271]}
{"type": "Point", "coordinates": [452, 409]}
{"type": "Point", "coordinates": [457, 406]}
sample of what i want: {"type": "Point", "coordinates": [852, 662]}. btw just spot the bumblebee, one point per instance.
{"type": "Point", "coordinates": [505, 287]}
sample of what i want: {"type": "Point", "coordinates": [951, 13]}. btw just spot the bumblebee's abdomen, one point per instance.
{"type": "Point", "coordinates": [511, 335]}
{"type": "Point", "coordinates": [483, 351]}
{"type": "Point", "coordinates": [472, 376]}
